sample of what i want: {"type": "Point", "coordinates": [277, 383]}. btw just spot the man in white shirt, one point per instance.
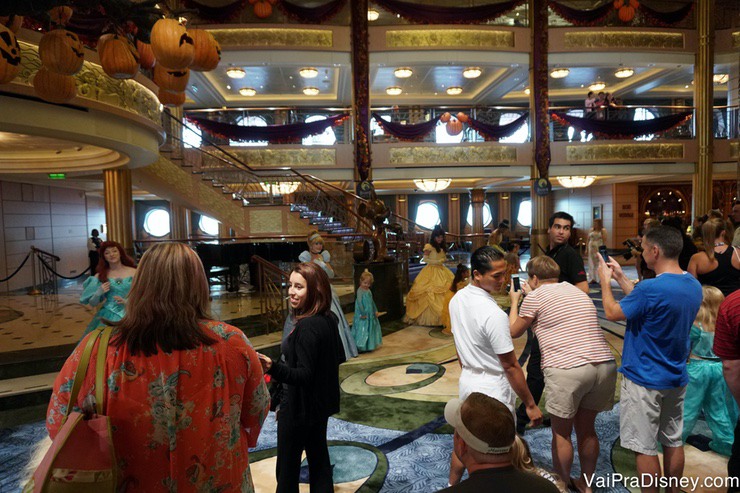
{"type": "Point", "coordinates": [483, 342]}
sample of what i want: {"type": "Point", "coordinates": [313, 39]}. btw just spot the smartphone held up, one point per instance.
{"type": "Point", "coordinates": [604, 255]}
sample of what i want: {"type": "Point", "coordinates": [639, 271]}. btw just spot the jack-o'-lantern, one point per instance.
{"type": "Point", "coordinates": [168, 98]}
{"type": "Point", "coordinates": [173, 47]}
{"type": "Point", "coordinates": [445, 117]}
{"type": "Point", "coordinates": [262, 10]}
{"type": "Point", "coordinates": [54, 87]}
{"type": "Point", "coordinates": [146, 55]}
{"type": "Point", "coordinates": [207, 51]}
{"type": "Point", "coordinates": [618, 4]}
{"type": "Point", "coordinates": [61, 52]}
{"type": "Point", "coordinates": [61, 15]}
{"type": "Point", "coordinates": [462, 117]}
{"type": "Point", "coordinates": [169, 79]}
{"type": "Point", "coordinates": [10, 55]}
{"type": "Point", "coordinates": [119, 58]}
{"type": "Point", "coordinates": [454, 127]}
{"type": "Point", "coordinates": [12, 22]}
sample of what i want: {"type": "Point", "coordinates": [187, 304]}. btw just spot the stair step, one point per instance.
{"type": "Point", "coordinates": [26, 385]}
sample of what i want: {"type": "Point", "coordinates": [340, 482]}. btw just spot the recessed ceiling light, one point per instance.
{"type": "Point", "coordinates": [597, 86]}
{"type": "Point", "coordinates": [372, 15]}
{"type": "Point", "coordinates": [308, 72]}
{"type": "Point", "coordinates": [228, 86]}
{"type": "Point", "coordinates": [454, 90]}
{"type": "Point", "coordinates": [559, 73]}
{"type": "Point", "coordinates": [527, 91]}
{"type": "Point", "coordinates": [247, 91]}
{"type": "Point", "coordinates": [403, 72]}
{"type": "Point", "coordinates": [472, 72]}
{"type": "Point", "coordinates": [311, 91]}
{"type": "Point", "coordinates": [624, 72]}
{"type": "Point", "coordinates": [720, 78]}
{"type": "Point", "coordinates": [393, 91]}
{"type": "Point", "coordinates": [236, 73]}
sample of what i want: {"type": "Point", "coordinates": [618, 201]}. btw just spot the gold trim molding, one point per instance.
{"type": "Point", "coordinates": [449, 38]}
{"type": "Point", "coordinates": [623, 39]}
{"type": "Point", "coordinates": [94, 84]}
{"type": "Point", "coordinates": [295, 158]}
{"type": "Point", "coordinates": [734, 150]}
{"type": "Point", "coordinates": [490, 155]}
{"type": "Point", "coordinates": [736, 39]}
{"type": "Point", "coordinates": [623, 152]}
{"type": "Point", "coordinates": [274, 37]}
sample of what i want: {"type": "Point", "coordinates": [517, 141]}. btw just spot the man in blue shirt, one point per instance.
{"type": "Point", "coordinates": [659, 314]}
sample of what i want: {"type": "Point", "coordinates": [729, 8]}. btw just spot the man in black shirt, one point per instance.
{"type": "Point", "coordinates": [484, 436]}
{"type": "Point", "coordinates": [572, 271]}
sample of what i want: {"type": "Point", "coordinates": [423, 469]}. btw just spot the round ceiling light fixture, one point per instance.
{"type": "Point", "coordinates": [576, 181]}
{"type": "Point", "coordinates": [597, 86]}
{"type": "Point", "coordinates": [720, 78]}
{"type": "Point", "coordinates": [235, 73]}
{"type": "Point", "coordinates": [432, 184]}
{"type": "Point", "coordinates": [624, 72]}
{"type": "Point", "coordinates": [403, 72]}
{"type": "Point", "coordinates": [393, 91]}
{"type": "Point", "coordinates": [527, 91]}
{"type": "Point", "coordinates": [559, 73]}
{"type": "Point", "coordinates": [454, 90]}
{"type": "Point", "coordinates": [311, 91]}
{"type": "Point", "coordinates": [308, 72]}
{"type": "Point", "coordinates": [472, 72]}
{"type": "Point", "coordinates": [373, 15]}
{"type": "Point", "coordinates": [247, 91]}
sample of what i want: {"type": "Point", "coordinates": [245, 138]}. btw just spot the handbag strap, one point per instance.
{"type": "Point", "coordinates": [104, 335]}
{"type": "Point", "coordinates": [100, 368]}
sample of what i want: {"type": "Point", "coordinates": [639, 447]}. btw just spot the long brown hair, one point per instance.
{"type": "Point", "coordinates": [167, 302]}
{"type": "Point", "coordinates": [103, 268]}
{"type": "Point", "coordinates": [712, 230]}
{"type": "Point", "coordinates": [318, 296]}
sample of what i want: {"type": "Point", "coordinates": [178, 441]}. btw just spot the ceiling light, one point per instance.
{"type": "Point", "coordinates": [247, 91]}
{"type": "Point", "coordinates": [236, 73]}
{"type": "Point", "coordinates": [308, 72]}
{"type": "Point", "coordinates": [624, 72]}
{"type": "Point", "coordinates": [527, 91]}
{"type": "Point", "coordinates": [280, 187]}
{"type": "Point", "coordinates": [559, 73]}
{"type": "Point", "coordinates": [472, 72]}
{"type": "Point", "coordinates": [393, 91]}
{"type": "Point", "coordinates": [403, 72]}
{"type": "Point", "coordinates": [432, 184]}
{"type": "Point", "coordinates": [372, 15]}
{"type": "Point", "coordinates": [454, 90]}
{"type": "Point", "coordinates": [311, 91]}
{"type": "Point", "coordinates": [720, 78]}
{"type": "Point", "coordinates": [597, 86]}
{"type": "Point", "coordinates": [576, 181]}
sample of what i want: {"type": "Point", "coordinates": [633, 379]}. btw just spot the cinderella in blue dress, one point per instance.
{"type": "Point", "coordinates": [111, 309]}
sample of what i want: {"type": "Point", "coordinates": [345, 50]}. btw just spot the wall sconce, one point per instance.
{"type": "Point", "coordinates": [454, 196]}
{"type": "Point", "coordinates": [402, 198]}
{"type": "Point", "coordinates": [504, 196]}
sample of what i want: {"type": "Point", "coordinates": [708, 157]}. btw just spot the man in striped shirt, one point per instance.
{"type": "Point", "coordinates": [580, 370]}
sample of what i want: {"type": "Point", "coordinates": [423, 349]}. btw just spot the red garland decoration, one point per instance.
{"type": "Point", "coordinates": [286, 140]}
{"type": "Point", "coordinates": [414, 20]}
{"type": "Point", "coordinates": [562, 12]}
{"type": "Point", "coordinates": [291, 11]}
{"type": "Point", "coordinates": [382, 123]}
{"type": "Point", "coordinates": [656, 20]}
{"type": "Point", "coordinates": [627, 136]}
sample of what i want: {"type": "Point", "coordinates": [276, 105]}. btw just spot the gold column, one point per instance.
{"type": "Point", "coordinates": [402, 205]}
{"type": "Point", "coordinates": [119, 207]}
{"type": "Point", "coordinates": [477, 198]}
{"type": "Point", "coordinates": [703, 100]}
{"type": "Point", "coordinates": [453, 211]}
{"type": "Point", "coordinates": [541, 211]}
{"type": "Point", "coordinates": [504, 209]}
{"type": "Point", "coordinates": [179, 221]}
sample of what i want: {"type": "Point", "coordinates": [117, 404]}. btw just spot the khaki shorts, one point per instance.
{"type": "Point", "coordinates": [647, 415]}
{"type": "Point", "coordinates": [589, 387]}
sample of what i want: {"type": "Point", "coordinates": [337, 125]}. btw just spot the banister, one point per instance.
{"type": "Point", "coordinates": [266, 264]}
{"type": "Point", "coordinates": [38, 250]}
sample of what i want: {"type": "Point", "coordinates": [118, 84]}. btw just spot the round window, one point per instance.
{"type": "Point", "coordinates": [157, 222]}
{"type": "Point", "coordinates": [208, 225]}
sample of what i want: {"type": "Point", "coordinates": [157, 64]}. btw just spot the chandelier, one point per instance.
{"type": "Point", "coordinates": [720, 78]}
{"type": "Point", "coordinates": [235, 73]}
{"type": "Point", "coordinates": [311, 91]}
{"type": "Point", "coordinates": [403, 72]}
{"type": "Point", "coordinates": [559, 73]}
{"type": "Point", "coordinates": [472, 72]}
{"type": "Point", "coordinates": [393, 90]}
{"type": "Point", "coordinates": [432, 184]}
{"type": "Point", "coordinates": [454, 90]}
{"type": "Point", "coordinates": [308, 72]}
{"type": "Point", "coordinates": [624, 72]}
{"type": "Point", "coordinates": [576, 181]}
{"type": "Point", "coordinates": [597, 86]}
{"type": "Point", "coordinates": [280, 187]}
{"type": "Point", "coordinates": [247, 91]}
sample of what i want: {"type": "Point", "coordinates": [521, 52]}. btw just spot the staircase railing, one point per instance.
{"type": "Point", "coordinates": [272, 286]}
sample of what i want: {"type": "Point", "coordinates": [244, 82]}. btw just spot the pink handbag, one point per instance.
{"type": "Point", "coordinates": [81, 458]}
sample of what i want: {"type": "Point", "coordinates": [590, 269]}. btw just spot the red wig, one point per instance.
{"type": "Point", "coordinates": [103, 266]}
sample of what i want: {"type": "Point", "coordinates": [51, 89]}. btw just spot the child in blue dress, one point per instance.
{"type": "Point", "coordinates": [366, 327]}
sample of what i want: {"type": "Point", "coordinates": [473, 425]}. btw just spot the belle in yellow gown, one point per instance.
{"type": "Point", "coordinates": [426, 300]}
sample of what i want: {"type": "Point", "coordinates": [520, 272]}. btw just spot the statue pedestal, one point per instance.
{"type": "Point", "coordinates": [387, 287]}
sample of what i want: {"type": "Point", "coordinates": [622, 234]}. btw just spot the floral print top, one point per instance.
{"type": "Point", "coordinates": [182, 422]}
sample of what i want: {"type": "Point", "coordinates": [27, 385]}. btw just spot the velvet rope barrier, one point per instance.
{"type": "Point", "coordinates": [623, 129]}
{"type": "Point", "coordinates": [496, 132]}
{"type": "Point", "coordinates": [408, 132]}
{"type": "Point", "coordinates": [311, 15]}
{"type": "Point", "coordinates": [274, 134]}
{"type": "Point", "coordinates": [436, 14]}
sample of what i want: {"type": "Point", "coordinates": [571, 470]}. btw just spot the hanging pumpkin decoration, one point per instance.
{"type": "Point", "coordinates": [445, 117]}
{"type": "Point", "coordinates": [172, 45]}
{"type": "Point", "coordinates": [634, 4]}
{"type": "Point", "coordinates": [618, 4]}
{"type": "Point", "coordinates": [119, 58]}
{"type": "Point", "coordinates": [61, 15]}
{"type": "Point", "coordinates": [262, 10]}
{"type": "Point", "coordinates": [146, 55]}
{"type": "Point", "coordinates": [462, 117]}
{"type": "Point", "coordinates": [454, 127]}
{"type": "Point", "coordinates": [168, 98]}
{"type": "Point", "coordinates": [54, 87]}
{"type": "Point", "coordinates": [61, 52]}
{"type": "Point", "coordinates": [207, 51]}
{"type": "Point", "coordinates": [12, 22]}
{"type": "Point", "coordinates": [171, 80]}
{"type": "Point", "coordinates": [626, 13]}
{"type": "Point", "coordinates": [10, 55]}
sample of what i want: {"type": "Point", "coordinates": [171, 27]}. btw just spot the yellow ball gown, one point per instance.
{"type": "Point", "coordinates": [426, 300]}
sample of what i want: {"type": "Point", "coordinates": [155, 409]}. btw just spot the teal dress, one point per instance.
{"type": "Point", "coordinates": [93, 295]}
{"type": "Point", "coordinates": [707, 391]}
{"type": "Point", "coordinates": [366, 331]}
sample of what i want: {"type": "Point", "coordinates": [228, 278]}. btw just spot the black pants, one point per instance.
{"type": "Point", "coordinates": [292, 440]}
{"type": "Point", "coordinates": [733, 466]}
{"type": "Point", "coordinates": [94, 258]}
{"type": "Point", "coordinates": [535, 378]}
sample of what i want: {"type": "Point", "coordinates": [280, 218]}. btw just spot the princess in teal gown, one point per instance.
{"type": "Point", "coordinates": [366, 327]}
{"type": "Point", "coordinates": [110, 286]}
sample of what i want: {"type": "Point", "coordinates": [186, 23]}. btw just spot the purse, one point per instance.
{"type": "Point", "coordinates": [81, 457]}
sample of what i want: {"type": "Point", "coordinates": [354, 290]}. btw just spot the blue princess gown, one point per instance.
{"type": "Point", "coordinates": [348, 342]}
{"type": "Point", "coordinates": [366, 331]}
{"type": "Point", "coordinates": [93, 295]}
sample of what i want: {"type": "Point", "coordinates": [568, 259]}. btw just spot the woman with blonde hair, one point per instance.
{"type": "Point", "coordinates": [596, 239]}
{"type": "Point", "coordinates": [184, 393]}
{"type": "Point", "coordinates": [719, 264]}
{"type": "Point", "coordinates": [521, 459]}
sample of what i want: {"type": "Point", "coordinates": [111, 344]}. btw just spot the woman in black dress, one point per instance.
{"type": "Point", "coordinates": [310, 377]}
{"type": "Point", "coordinates": [93, 244]}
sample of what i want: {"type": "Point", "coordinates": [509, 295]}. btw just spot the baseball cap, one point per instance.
{"type": "Point", "coordinates": [486, 425]}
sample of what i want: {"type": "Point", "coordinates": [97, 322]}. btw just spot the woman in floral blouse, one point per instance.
{"type": "Point", "coordinates": [185, 393]}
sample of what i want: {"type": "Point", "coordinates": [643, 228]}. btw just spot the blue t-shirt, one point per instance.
{"type": "Point", "coordinates": [659, 315]}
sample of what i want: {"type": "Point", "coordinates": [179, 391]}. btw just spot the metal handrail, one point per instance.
{"type": "Point", "coordinates": [273, 296]}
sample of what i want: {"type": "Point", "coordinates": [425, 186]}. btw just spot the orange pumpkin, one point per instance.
{"type": "Point", "coordinates": [634, 4]}
{"type": "Point", "coordinates": [54, 87]}
{"type": "Point", "coordinates": [172, 45]}
{"type": "Point", "coordinates": [626, 13]}
{"type": "Point", "coordinates": [10, 55]}
{"type": "Point", "coordinates": [207, 52]}
{"type": "Point", "coordinates": [462, 117]}
{"type": "Point", "coordinates": [445, 117]}
{"type": "Point", "coordinates": [119, 58]}
{"type": "Point", "coordinates": [61, 15]}
{"type": "Point", "coordinates": [61, 52]}
{"type": "Point", "coordinates": [454, 127]}
{"type": "Point", "coordinates": [262, 9]}
{"type": "Point", "coordinates": [171, 98]}
{"type": "Point", "coordinates": [169, 79]}
{"type": "Point", "coordinates": [12, 22]}
{"type": "Point", "coordinates": [146, 55]}
{"type": "Point", "coordinates": [102, 40]}
{"type": "Point", "coordinates": [618, 4]}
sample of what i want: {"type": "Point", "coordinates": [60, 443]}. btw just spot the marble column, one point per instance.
{"type": "Point", "coordinates": [703, 101]}
{"type": "Point", "coordinates": [119, 207]}
{"type": "Point", "coordinates": [179, 221]}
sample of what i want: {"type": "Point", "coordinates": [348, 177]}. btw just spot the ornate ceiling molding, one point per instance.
{"type": "Point", "coordinates": [623, 152]}
{"type": "Point", "coordinates": [274, 38]}
{"type": "Point", "coordinates": [624, 39]}
{"type": "Point", "coordinates": [449, 38]}
{"type": "Point", "coordinates": [489, 154]}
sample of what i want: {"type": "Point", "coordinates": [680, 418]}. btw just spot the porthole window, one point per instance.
{"type": "Point", "coordinates": [192, 136]}
{"type": "Point", "coordinates": [327, 138]}
{"type": "Point", "coordinates": [208, 225]}
{"type": "Point", "coordinates": [157, 222]}
{"type": "Point", "coordinates": [518, 137]}
{"type": "Point", "coordinates": [427, 215]}
{"type": "Point", "coordinates": [525, 213]}
{"type": "Point", "coordinates": [487, 216]}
